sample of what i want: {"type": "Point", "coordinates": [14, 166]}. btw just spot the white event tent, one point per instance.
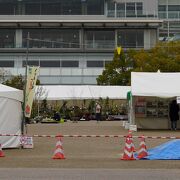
{"type": "Point", "coordinates": [10, 116]}
{"type": "Point", "coordinates": [70, 92]}
{"type": "Point", "coordinates": [163, 85]}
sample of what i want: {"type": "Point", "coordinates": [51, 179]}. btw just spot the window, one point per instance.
{"type": "Point", "coordinates": [31, 63]}
{"type": "Point", "coordinates": [6, 63]}
{"type": "Point", "coordinates": [32, 8]}
{"type": "Point", "coordinates": [70, 63]}
{"type": "Point", "coordinates": [100, 39]}
{"type": "Point", "coordinates": [71, 7]}
{"type": "Point", "coordinates": [50, 8]}
{"type": "Point", "coordinates": [50, 63]}
{"type": "Point", "coordinates": [139, 8]}
{"type": "Point", "coordinates": [95, 7]}
{"type": "Point", "coordinates": [131, 38]}
{"type": "Point", "coordinates": [95, 64]}
{"type": "Point", "coordinates": [121, 10]}
{"type": "Point", "coordinates": [52, 38]}
{"type": "Point", "coordinates": [7, 38]}
{"type": "Point", "coordinates": [7, 8]}
{"type": "Point", "coordinates": [162, 8]}
{"type": "Point", "coordinates": [174, 8]}
{"type": "Point", "coordinates": [130, 9]}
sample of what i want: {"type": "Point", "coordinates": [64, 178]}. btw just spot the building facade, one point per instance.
{"type": "Point", "coordinates": [169, 11]}
{"type": "Point", "coordinates": [72, 40]}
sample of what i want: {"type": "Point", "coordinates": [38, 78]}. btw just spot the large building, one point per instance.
{"type": "Point", "coordinates": [72, 40]}
{"type": "Point", "coordinates": [169, 11]}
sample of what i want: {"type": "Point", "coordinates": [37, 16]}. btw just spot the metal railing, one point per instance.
{"type": "Point", "coordinates": [169, 15]}
{"type": "Point", "coordinates": [130, 14]}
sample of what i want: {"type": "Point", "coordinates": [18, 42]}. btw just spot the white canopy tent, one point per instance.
{"type": "Point", "coordinates": [163, 85]}
{"type": "Point", "coordinates": [10, 116]}
{"type": "Point", "coordinates": [70, 92]}
{"type": "Point", "coordinates": [155, 84]}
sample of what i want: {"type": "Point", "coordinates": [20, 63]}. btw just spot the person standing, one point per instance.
{"type": "Point", "coordinates": [174, 114]}
{"type": "Point", "coordinates": [98, 112]}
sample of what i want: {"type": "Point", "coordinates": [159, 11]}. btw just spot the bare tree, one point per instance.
{"type": "Point", "coordinates": [3, 74]}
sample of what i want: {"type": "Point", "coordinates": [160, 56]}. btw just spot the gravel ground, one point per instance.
{"type": "Point", "coordinates": [84, 152]}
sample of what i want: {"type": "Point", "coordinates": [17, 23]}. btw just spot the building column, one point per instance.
{"type": "Point", "coordinates": [147, 39]}
{"type": "Point", "coordinates": [150, 38]}
{"type": "Point", "coordinates": [18, 38]}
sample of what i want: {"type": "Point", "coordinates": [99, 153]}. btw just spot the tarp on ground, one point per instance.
{"type": "Point", "coordinates": [10, 116]}
{"type": "Point", "coordinates": [70, 92]}
{"type": "Point", "coordinates": [166, 151]}
{"type": "Point", "coordinates": [155, 84]}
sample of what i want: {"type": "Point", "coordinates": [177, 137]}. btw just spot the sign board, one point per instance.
{"type": "Point", "coordinates": [178, 100]}
{"type": "Point", "coordinates": [132, 127]}
{"type": "Point", "coordinates": [27, 142]}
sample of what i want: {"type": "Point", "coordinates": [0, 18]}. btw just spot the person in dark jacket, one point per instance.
{"type": "Point", "coordinates": [174, 114]}
{"type": "Point", "coordinates": [56, 116]}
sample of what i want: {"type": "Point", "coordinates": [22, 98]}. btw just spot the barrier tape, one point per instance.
{"type": "Point", "coordinates": [94, 136]}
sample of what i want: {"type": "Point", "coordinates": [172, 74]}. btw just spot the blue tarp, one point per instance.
{"type": "Point", "coordinates": [167, 151]}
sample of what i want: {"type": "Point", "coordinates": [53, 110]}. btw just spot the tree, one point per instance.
{"type": "Point", "coordinates": [164, 57]}
{"type": "Point", "coordinates": [16, 82]}
{"type": "Point", "coordinates": [3, 74]}
{"type": "Point", "coordinates": [116, 72]}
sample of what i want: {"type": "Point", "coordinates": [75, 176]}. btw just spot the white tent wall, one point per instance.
{"type": "Point", "coordinates": [10, 122]}
{"type": "Point", "coordinates": [62, 92]}
{"type": "Point", "coordinates": [153, 85]}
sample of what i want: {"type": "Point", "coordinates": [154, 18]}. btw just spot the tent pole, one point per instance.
{"type": "Point", "coordinates": [25, 76]}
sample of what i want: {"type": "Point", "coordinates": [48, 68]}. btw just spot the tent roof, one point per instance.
{"type": "Point", "coordinates": [62, 92]}
{"type": "Point", "coordinates": [11, 93]}
{"type": "Point", "coordinates": [155, 84]}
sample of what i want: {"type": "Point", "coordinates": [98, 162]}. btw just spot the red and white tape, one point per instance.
{"type": "Point", "coordinates": [94, 136]}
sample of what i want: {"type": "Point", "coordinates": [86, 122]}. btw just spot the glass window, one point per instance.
{"type": "Point", "coordinates": [130, 9]}
{"type": "Point", "coordinates": [73, 7]}
{"type": "Point", "coordinates": [131, 38]}
{"type": "Point", "coordinates": [139, 8]}
{"type": "Point", "coordinates": [100, 39]}
{"type": "Point", "coordinates": [107, 62]}
{"type": "Point", "coordinates": [174, 8]}
{"type": "Point", "coordinates": [31, 63]}
{"type": "Point", "coordinates": [6, 63]}
{"type": "Point", "coordinates": [52, 38]}
{"type": "Point", "coordinates": [7, 37]}
{"type": "Point", "coordinates": [95, 64]}
{"type": "Point", "coordinates": [121, 10]}
{"type": "Point", "coordinates": [162, 8]}
{"type": "Point", "coordinates": [70, 63]}
{"type": "Point", "coordinates": [95, 7]}
{"type": "Point", "coordinates": [7, 8]}
{"type": "Point", "coordinates": [32, 8]}
{"type": "Point", "coordinates": [50, 8]}
{"type": "Point", "coordinates": [110, 9]}
{"type": "Point", "coordinates": [50, 63]}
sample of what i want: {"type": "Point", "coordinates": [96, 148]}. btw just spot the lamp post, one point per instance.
{"type": "Point", "coordinates": [25, 76]}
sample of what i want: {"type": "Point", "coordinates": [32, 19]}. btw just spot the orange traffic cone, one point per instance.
{"type": "Point", "coordinates": [1, 152]}
{"type": "Point", "coordinates": [128, 150]}
{"type": "Point", "coordinates": [142, 150]}
{"type": "Point", "coordinates": [58, 153]}
{"type": "Point", "coordinates": [130, 134]}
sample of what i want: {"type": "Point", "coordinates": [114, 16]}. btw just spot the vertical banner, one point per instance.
{"type": "Point", "coordinates": [32, 73]}
{"type": "Point", "coordinates": [118, 50]}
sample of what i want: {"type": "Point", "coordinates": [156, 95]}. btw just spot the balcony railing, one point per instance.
{"type": "Point", "coordinates": [99, 44]}
{"type": "Point", "coordinates": [130, 14]}
{"type": "Point", "coordinates": [169, 15]}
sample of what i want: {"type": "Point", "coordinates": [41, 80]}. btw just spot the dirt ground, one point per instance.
{"type": "Point", "coordinates": [84, 152]}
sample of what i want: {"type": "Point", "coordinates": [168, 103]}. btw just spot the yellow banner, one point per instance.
{"type": "Point", "coordinates": [32, 73]}
{"type": "Point", "coordinates": [119, 50]}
